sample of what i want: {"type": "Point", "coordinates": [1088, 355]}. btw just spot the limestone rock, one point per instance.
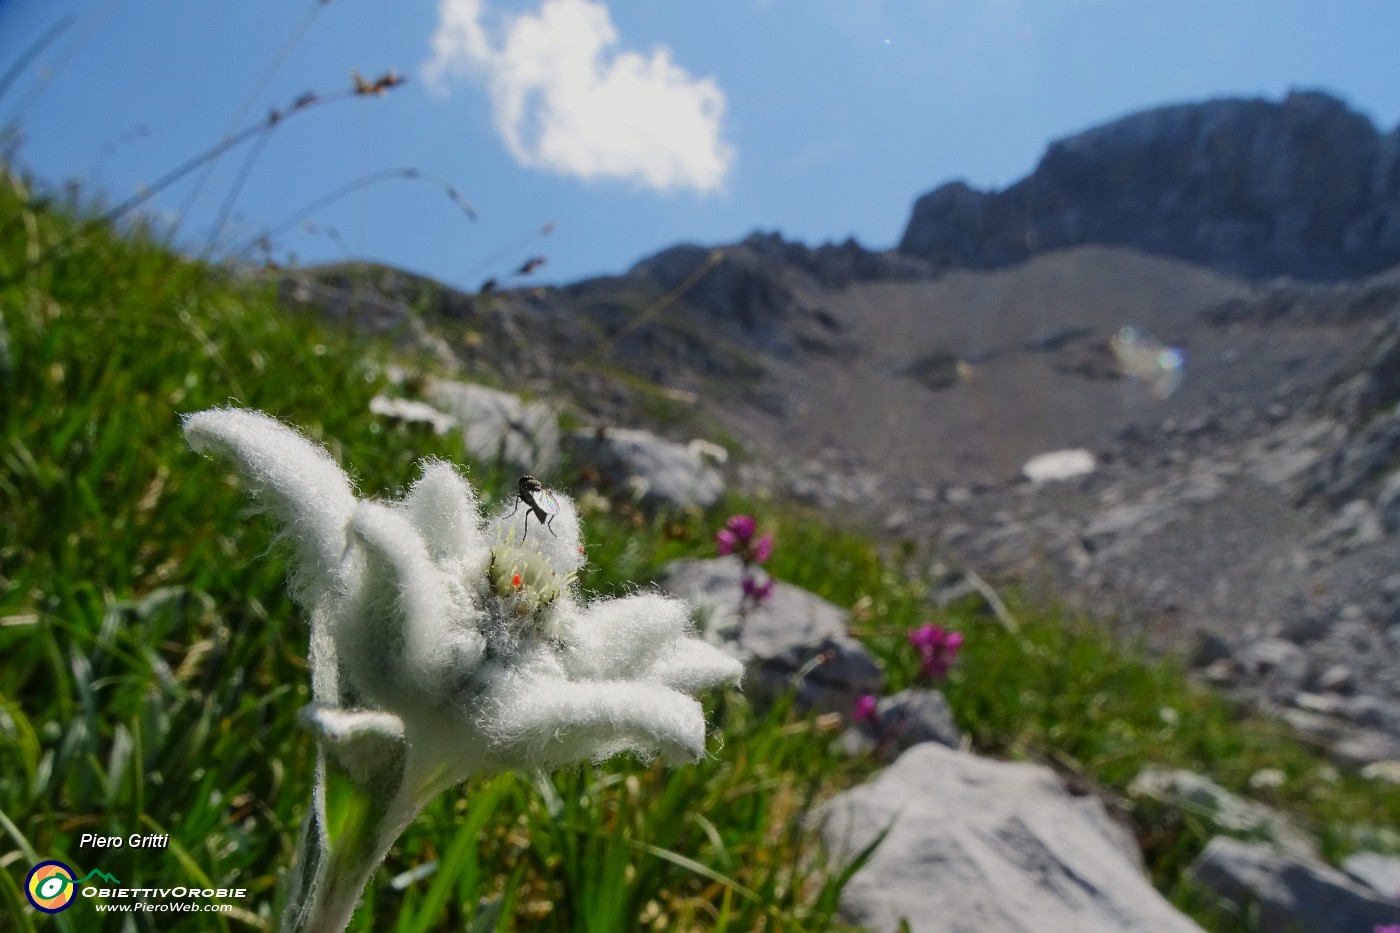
{"type": "Point", "coordinates": [1295, 894]}
{"type": "Point", "coordinates": [1380, 873]}
{"type": "Point", "coordinates": [411, 412]}
{"type": "Point", "coordinates": [1059, 465]}
{"type": "Point", "coordinates": [499, 424]}
{"type": "Point", "coordinates": [659, 472]}
{"type": "Point", "coordinates": [981, 846]}
{"type": "Point", "coordinates": [1356, 525]}
{"type": "Point", "coordinates": [793, 639]}
{"type": "Point", "coordinates": [901, 721]}
{"type": "Point", "coordinates": [1227, 812]}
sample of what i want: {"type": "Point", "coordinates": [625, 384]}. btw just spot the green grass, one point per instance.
{"type": "Point", "coordinates": [153, 665]}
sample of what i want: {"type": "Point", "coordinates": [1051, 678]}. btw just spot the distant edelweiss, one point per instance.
{"type": "Point", "coordinates": [443, 648]}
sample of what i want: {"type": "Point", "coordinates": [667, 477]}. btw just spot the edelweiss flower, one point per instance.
{"type": "Point", "coordinates": [442, 647]}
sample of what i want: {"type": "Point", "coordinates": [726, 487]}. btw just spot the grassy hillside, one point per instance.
{"type": "Point", "coordinates": [153, 665]}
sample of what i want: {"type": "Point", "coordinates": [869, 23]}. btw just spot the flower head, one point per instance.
{"type": "Point", "coordinates": [864, 708]}
{"type": "Point", "coordinates": [741, 526]}
{"type": "Point", "coordinates": [737, 537]}
{"type": "Point", "coordinates": [938, 649]}
{"type": "Point", "coordinates": [762, 548]}
{"type": "Point", "coordinates": [423, 610]}
{"type": "Point", "coordinates": [443, 647]}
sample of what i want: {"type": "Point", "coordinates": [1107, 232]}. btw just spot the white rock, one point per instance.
{"type": "Point", "coordinates": [991, 847]}
{"type": "Point", "coordinates": [1380, 873]}
{"type": "Point", "coordinates": [402, 409]}
{"type": "Point", "coordinates": [1388, 771]}
{"type": "Point", "coordinates": [1059, 465]}
{"type": "Point", "coordinates": [499, 424]}
{"type": "Point", "coordinates": [659, 471]}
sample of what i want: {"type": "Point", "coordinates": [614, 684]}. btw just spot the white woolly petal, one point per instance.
{"type": "Point", "coordinates": [403, 601]}
{"type": "Point", "coordinates": [693, 666]}
{"type": "Point", "coordinates": [443, 507]}
{"type": "Point", "coordinates": [538, 722]}
{"type": "Point", "coordinates": [338, 726]}
{"type": "Point", "coordinates": [564, 548]}
{"type": "Point", "coordinates": [293, 478]}
{"type": "Point", "coordinates": [618, 638]}
{"type": "Point", "coordinates": [367, 744]}
{"type": "Point", "coordinates": [561, 542]}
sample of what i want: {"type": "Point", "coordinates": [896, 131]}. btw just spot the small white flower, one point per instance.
{"type": "Point", "coordinates": [444, 646]}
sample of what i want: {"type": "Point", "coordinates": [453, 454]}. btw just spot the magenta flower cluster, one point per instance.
{"type": "Point", "coordinates": [737, 537]}
{"type": "Point", "coordinates": [938, 649]}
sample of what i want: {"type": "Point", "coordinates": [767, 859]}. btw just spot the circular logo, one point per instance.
{"type": "Point", "coordinates": [50, 887]}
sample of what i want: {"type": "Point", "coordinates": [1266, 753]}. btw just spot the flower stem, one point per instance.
{"type": "Point", "coordinates": [358, 849]}
{"type": "Point", "coordinates": [367, 826]}
{"type": "Point", "coordinates": [340, 856]}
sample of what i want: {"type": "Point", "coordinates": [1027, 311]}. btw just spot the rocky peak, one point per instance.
{"type": "Point", "coordinates": [830, 265]}
{"type": "Point", "coordinates": [1305, 187]}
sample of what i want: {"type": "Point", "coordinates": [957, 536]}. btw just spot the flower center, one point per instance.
{"type": "Point", "coordinates": [524, 581]}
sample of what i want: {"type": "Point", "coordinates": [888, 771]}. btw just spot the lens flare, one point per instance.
{"type": "Point", "coordinates": [1142, 357]}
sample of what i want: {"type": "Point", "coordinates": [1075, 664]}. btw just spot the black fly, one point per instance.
{"type": "Point", "coordinates": [538, 501]}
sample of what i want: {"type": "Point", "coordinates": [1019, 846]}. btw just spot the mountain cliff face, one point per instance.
{"type": "Point", "coordinates": [1306, 188]}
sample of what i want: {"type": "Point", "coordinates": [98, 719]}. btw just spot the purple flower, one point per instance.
{"type": "Point", "coordinates": [864, 708]}
{"type": "Point", "coordinates": [926, 637]}
{"type": "Point", "coordinates": [762, 548]}
{"type": "Point", "coordinates": [742, 526]}
{"type": "Point", "coordinates": [756, 591]}
{"type": "Point", "coordinates": [737, 537]}
{"type": "Point", "coordinates": [1391, 928]}
{"type": "Point", "coordinates": [937, 649]}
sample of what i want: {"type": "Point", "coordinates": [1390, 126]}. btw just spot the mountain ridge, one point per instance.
{"type": "Point", "coordinates": [1305, 187]}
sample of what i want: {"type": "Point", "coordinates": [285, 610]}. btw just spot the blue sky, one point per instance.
{"type": "Point", "coordinates": [632, 125]}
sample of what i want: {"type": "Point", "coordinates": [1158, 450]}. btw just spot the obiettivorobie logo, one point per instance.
{"type": "Point", "coordinates": [51, 886]}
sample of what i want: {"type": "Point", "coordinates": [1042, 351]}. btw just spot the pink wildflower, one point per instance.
{"type": "Point", "coordinates": [864, 708]}
{"type": "Point", "coordinates": [737, 537]}
{"type": "Point", "coordinates": [937, 649]}
{"type": "Point", "coordinates": [743, 526]}
{"type": "Point", "coordinates": [762, 548]}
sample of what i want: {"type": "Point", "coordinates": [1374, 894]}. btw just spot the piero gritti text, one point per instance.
{"type": "Point", "coordinates": [134, 841]}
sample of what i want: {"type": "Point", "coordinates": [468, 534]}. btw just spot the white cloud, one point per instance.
{"type": "Point", "coordinates": [565, 98]}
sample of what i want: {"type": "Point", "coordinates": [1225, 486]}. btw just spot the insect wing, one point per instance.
{"type": "Point", "coordinates": [547, 502]}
